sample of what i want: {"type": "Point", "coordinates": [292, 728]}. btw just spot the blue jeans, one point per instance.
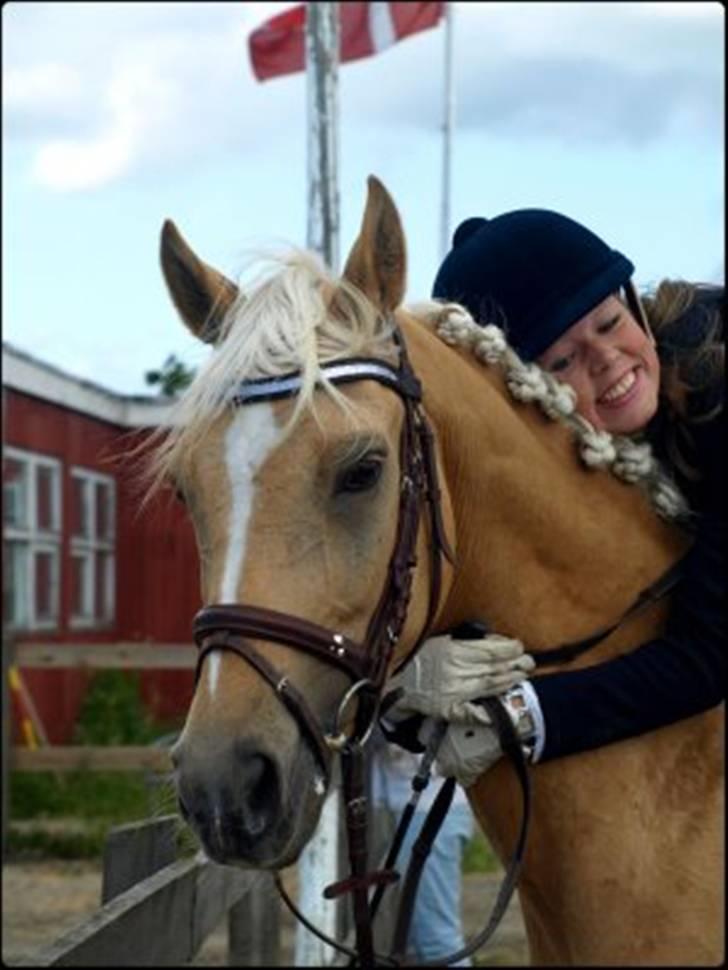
{"type": "Point", "coordinates": [436, 929]}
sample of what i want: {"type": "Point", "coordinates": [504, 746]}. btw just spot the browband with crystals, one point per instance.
{"type": "Point", "coordinates": [338, 372]}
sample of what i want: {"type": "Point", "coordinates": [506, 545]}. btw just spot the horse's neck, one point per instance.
{"type": "Point", "coordinates": [550, 552]}
{"type": "Point", "coordinates": [546, 549]}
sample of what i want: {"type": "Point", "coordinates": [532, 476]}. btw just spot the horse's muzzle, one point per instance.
{"type": "Point", "coordinates": [235, 799]}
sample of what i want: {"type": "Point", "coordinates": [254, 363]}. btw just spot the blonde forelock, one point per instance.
{"type": "Point", "coordinates": [293, 315]}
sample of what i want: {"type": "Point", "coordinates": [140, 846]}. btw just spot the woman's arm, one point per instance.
{"type": "Point", "coordinates": [680, 674]}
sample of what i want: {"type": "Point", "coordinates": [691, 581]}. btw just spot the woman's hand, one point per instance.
{"type": "Point", "coordinates": [447, 674]}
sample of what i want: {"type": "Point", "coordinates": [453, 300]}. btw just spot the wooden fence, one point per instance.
{"type": "Point", "coordinates": [85, 656]}
{"type": "Point", "coordinates": [158, 910]}
{"type": "Point", "coordinates": [90, 656]}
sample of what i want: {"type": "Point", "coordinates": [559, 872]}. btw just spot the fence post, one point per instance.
{"type": "Point", "coordinates": [254, 926]}
{"type": "Point", "coordinates": [318, 866]}
{"type": "Point", "coordinates": [136, 851]}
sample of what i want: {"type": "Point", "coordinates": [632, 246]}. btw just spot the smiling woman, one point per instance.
{"type": "Point", "coordinates": [612, 364]}
{"type": "Point", "coordinates": [567, 301]}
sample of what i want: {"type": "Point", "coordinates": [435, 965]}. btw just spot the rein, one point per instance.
{"type": "Point", "coordinates": [229, 627]}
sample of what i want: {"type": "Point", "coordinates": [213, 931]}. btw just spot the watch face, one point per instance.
{"type": "Point", "coordinates": [520, 714]}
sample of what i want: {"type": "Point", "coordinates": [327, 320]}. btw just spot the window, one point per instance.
{"type": "Point", "coordinates": [93, 514]}
{"type": "Point", "coordinates": [31, 540]}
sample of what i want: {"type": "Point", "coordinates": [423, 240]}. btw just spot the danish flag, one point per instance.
{"type": "Point", "coordinates": [278, 45]}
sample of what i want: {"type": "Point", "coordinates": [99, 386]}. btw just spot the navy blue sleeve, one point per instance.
{"type": "Point", "coordinates": [667, 679]}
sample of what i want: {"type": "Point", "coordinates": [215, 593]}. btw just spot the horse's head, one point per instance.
{"type": "Point", "coordinates": [295, 496]}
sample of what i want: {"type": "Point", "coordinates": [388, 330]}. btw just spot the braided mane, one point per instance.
{"type": "Point", "coordinates": [631, 460]}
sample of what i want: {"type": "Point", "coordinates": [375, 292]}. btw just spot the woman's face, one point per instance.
{"type": "Point", "coordinates": [612, 365]}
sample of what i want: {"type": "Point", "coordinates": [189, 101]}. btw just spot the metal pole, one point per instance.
{"type": "Point", "coordinates": [318, 864]}
{"type": "Point", "coordinates": [447, 126]}
{"type": "Point", "coordinates": [322, 59]}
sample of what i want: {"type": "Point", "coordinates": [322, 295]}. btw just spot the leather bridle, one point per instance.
{"type": "Point", "coordinates": [229, 626]}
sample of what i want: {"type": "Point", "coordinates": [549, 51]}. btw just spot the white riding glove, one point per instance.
{"type": "Point", "coordinates": [446, 674]}
{"type": "Point", "coordinates": [468, 750]}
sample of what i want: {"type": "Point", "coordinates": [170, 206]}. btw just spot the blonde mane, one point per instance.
{"type": "Point", "coordinates": [630, 460]}
{"type": "Point", "coordinates": [296, 317]}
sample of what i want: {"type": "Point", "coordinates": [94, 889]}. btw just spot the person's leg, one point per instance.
{"type": "Point", "coordinates": [436, 928]}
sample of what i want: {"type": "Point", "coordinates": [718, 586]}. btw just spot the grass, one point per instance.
{"type": "Point", "coordinates": [479, 857]}
{"type": "Point", "coordinates": [68, 815]}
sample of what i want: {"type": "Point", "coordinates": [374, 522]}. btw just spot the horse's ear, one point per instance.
{"type": "Point", "coordinates": [377, 262]}
{"type": "Point", "coordinates": [201, 295]}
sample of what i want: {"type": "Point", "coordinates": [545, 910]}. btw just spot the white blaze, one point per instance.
{"type": "Point", "coordinates": [251, 437]}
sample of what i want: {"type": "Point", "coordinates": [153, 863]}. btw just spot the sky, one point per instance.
{"type": "Point", "coordinates": [117, 116]}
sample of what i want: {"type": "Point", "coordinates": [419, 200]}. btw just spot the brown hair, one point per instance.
{"type": "Point", "coordinates": [686, 319]}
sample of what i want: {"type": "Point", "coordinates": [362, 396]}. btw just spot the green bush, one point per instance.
{"type": "Point", "coordinates": [114, 796]}
{"type": "Point", "coordinates": [84, 805]}
{"type": "Point", "coordinates": [112, 711]}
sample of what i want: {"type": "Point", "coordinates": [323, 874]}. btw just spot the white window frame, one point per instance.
{"type": "Point", "coordinates": [37, 540]}
{"type": "Point", "coordinates": [87, 547]}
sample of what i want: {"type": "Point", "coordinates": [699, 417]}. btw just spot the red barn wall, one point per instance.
{"type": "Point", "coordinates": [157, 579]}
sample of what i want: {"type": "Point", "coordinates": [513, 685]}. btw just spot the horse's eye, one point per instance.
{"type": "Point", "coordinates": [359, 477]}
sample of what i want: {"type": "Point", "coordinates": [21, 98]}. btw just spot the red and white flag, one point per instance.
{"type": "Point", "coordinates": [278, 46]}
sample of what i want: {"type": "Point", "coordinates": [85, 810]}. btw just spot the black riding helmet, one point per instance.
{"type": "Point", "coordinates": [534, 273]}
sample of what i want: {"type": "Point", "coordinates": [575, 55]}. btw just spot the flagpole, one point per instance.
{"type": "Point", "coordinates": [447, 127]}
{"type": "Point", "coordinates": [318, 865]}
{"type": "Point", "coordinates": [322, 61]}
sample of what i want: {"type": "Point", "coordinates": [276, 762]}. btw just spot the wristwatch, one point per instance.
{"type": "Point", "coordinates": [516, 703]}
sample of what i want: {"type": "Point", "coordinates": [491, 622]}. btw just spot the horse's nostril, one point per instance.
{"type": "Point", "coordinates": [260, 790]}
{"type": "Point", "coordinates": [231, 797]}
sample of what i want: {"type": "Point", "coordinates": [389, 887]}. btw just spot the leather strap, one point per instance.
{"type": "Point", "coordinates": [289, 695]}
{"type": "Point", "coordinates": [264, 624]}
{"type": "Point", "coordinates": [418, 857]}
{"type": "Point", "coordinates": [654, 592]}
{"type": "Point", "coordinates": [511, 746]}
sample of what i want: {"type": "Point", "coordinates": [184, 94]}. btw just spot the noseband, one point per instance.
{"type": "Point", "coordinates": [232, 626]}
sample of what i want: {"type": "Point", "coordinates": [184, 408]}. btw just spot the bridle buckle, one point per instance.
{"type": "Point", "coordinates": [337, 739]}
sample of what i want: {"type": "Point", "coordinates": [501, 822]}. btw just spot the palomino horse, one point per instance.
{"type": "Point", "coordinates": [295, 506]}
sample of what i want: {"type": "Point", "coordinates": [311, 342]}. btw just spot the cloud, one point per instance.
{"type": "Point", "coordinates": [152, 87]}
{"type": "Point", "coordinates": [27, 88]}
{"type": "Point", "coordinates": [583, 73]}
{"type": "Point", "coordinates": [41, 100]}
{"type": "Point", "coordinates": [580, 99]}
{"type": "Point", "coordinates": [176, 89]}
{"type": "Point", "coordinates": [137, 100]}
{"type": "Point", "coordinates": [73, 164]}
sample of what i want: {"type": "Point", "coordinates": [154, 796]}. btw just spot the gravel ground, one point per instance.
{"type": "Point", "coordinates": [41, 900]}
